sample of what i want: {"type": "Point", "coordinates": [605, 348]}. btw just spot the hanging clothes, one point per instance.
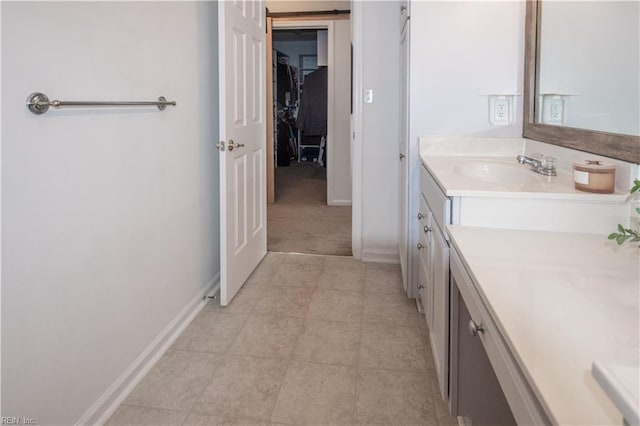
{"type": "Point", "coordinates": [285, 151]}
{"type": "Point", "coordinates": [287, 78]}
{"type": "Point", "coordinates": [293, 78]}
{"type": "Point", "coordinates": [312, 114]}
{"type": "Point", "coordinates": [284, 82]}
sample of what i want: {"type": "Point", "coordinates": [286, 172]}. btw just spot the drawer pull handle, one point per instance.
{"type": "Point", "coordinates": [474, 328]}
{"type": "Point", "coordinates": [420, 216]}
{"type": "Point", "coordinates": [420, 286]}
{"type": "Point", "coordinates": [420, 246]}
{"type": "Point", "coordinates": [427, 229]}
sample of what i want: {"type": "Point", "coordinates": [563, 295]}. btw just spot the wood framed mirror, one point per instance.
{"type": "Point", "coordinates": [620, 146]}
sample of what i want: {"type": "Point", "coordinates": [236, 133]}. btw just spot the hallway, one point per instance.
{"type": "Point", "coordinates": [308, 340]}
{"type": "Point", "coordinates": [301, 221]}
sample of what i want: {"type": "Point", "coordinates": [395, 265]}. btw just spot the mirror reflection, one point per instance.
{"type": "Point", "coordinates": [589, 65]}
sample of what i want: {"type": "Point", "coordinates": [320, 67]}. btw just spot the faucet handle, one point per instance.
{"type": "Point", "coordinates": [549, 163]}
{"type": "Point", "coordinates": [548, 166]}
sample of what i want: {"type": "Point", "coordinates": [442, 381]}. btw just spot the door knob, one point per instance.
{"type": "Point", "coordinates": [420, 246]}
{"type": "Point", "coordinates": [231, 145]}
{"type": "Point", "coordinates": [420, 216]}
{"type": "Point", "coordinates": [427, 229]}
{"type": "Point", "coordinates": [401, 156]}
{"type": "Point", "coordinates": [420, 286]}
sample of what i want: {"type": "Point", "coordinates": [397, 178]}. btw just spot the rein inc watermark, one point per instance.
{"type": "Point", "coordinates": [17, 420]}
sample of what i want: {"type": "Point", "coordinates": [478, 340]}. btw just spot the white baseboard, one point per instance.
{"type": "Point", "coordinates": [110, 400]}
{"type": "Point", "coordinates": [339, 203]}
{"type": "Point", "coordinates": [381, 256]}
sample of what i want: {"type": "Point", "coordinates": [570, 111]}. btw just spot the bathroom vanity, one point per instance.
{"type": "Point", "coordinates": [543, 242]}
{"type": "Point", "coordinates": [549, 305]}
{"type": "Point", "coordinates": [523, 294]}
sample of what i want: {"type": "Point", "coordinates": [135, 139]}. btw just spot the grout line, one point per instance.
{"type": "Point", "coordinates": [387, 325]}
{"type": "Point", "coordinates": [354, 405]}
{"type": "Point", "coordinates": [290, 358]}
{"type": "Point", "coordinates": [331, 364]}
{"type": "Point", "coordinates": [284, 377]}
{"type": "Point", "coordinates": [227, 357]}
{"type": "Point", "coordinates": [221, 363]}
{"type": "Point", "coordinates": [430, 375]}
{"type": "Point", "coordinates": [153, 407]}
{"type": "Point", "coordinates": [398, 370]}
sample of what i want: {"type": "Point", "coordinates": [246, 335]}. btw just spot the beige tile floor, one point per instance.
{"type": "Point", "coordinates": [309, 340]}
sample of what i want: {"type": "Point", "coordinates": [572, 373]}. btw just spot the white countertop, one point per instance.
{"type": "Point", "coordinates": [561, 301]}
{"type": "Point", "coordinates": [443, 156]}
{"type": "Point", "coordinates": [447, 171]}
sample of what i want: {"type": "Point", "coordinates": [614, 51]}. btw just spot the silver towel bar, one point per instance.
{"type": "Point", "coordinates": [39, 103]}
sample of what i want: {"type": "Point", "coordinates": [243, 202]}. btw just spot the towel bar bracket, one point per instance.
{"type": "Point", "coordinates": [38, 103]}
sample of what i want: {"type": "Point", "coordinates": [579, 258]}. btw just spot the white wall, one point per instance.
{"type": "Point", "coordinates": [380, 130]}
{"type": "Point", "coordinates": [460, 53]}
{"type": "Point", "coordinates": [110, 217]}
{"type": "Point", "coordinates": [339, 142]}
{"type": "Point", "coordinates": [591, 50]}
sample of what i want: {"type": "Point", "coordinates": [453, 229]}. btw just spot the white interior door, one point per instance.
{"type": "Point", "coordinates": [243, 230]}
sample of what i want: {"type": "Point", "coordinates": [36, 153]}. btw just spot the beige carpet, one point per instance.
{"type": "Point", "coordinates": [300, 221]}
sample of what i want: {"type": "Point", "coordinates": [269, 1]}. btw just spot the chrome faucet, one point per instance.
{"type": "Point", "coordinates": [539, 163]}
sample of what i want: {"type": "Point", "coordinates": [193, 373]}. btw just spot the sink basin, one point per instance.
{"type": "Point", "coordinates": [495, 171]}
{"type": "Point", "coordinates": [620, 383]}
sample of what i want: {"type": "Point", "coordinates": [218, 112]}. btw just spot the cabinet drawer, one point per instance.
{"type": "Point", "coordinates": [521, 398]}
{"type": "Point", "coordinates": [439, 203]}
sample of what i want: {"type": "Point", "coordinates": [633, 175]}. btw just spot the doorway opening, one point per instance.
{"type": "Point", "coordinates": [310, 211]}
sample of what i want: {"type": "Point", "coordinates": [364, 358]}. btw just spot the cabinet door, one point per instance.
{"type": "Point", "coordinates": [475, 389]}
{"type": "Point", "coordinates": [425, 276]}
{"type": "Point", "coordinates": [439, 333]}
